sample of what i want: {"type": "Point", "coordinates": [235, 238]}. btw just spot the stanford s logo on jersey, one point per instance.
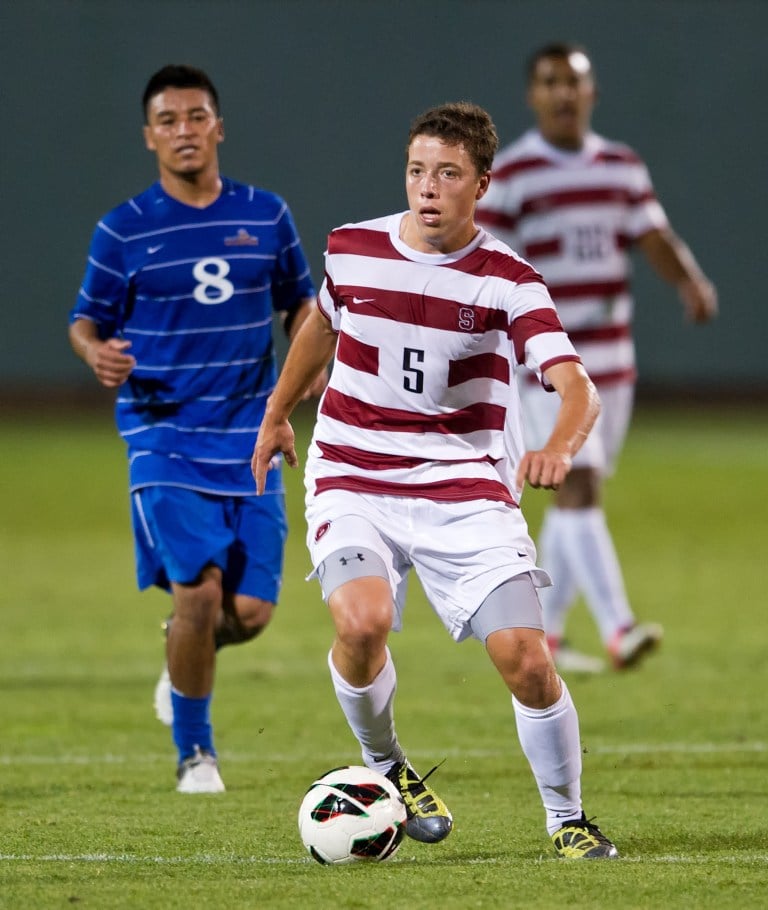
{"type": "Point", "coordinates": [466, 319]}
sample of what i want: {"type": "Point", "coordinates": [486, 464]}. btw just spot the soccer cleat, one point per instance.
{"type": "Point", "coordinates": [631, 645]}
{"type": "Point", "coordinates": [569, 660]}
{"type": "Point", "coordinates": [162, 697]}
{"type": "Point", "coordinates": [580, 839]}
{"type": "Point", "coordinates": [199, 774]}
{"type": "Point", "coordinates": [162, 700]}
{"type": "Point", "coordinates": [429, 820]}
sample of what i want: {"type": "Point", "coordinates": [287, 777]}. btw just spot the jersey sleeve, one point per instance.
{"type": "Point", "coordinates": [292, 281]}
{"type": "Point", "coordinates": [105, 291]}
{"type": "Point", "coordinates": [327, 299]}
{"type": "Point", "coordinates": [538, 337]}
{"type": "Point", "coordinates": [645, 211]}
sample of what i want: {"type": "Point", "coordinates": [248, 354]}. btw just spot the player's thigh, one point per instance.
{"type": "Point", "coordinates": [467, 550]}
{"type": "Point", "coordinates": [254, 564]}
{"type": "Point", "coordinates": [615, 416]}
{"type": "Point", "coordinates": [347, 537]}
{"type": "Point", "coordinates": [177, 533]}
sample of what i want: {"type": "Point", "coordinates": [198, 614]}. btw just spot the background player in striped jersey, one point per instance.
{"type": "Point", "coordinates": [429, 319]}
{"type": "Point", "coordinates": [573, 202]}
{"type": "Point", "coordinates": [175, 311]}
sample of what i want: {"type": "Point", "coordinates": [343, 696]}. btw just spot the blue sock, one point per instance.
{"type": "Point", "coordinates": [191, 724]}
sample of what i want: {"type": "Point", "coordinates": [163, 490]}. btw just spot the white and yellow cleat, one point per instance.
{"type": "Point", "coordinates": [580, 839]}
{"type": "Point", "coordinates": [429, 820]}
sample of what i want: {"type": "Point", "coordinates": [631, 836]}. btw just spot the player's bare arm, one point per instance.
{"type": "Point", "coordinates": [108, 359]}
{"type": "Point", "coordinates": [308, 356]}
{"type": "Point", "coordinates": [675, 263]}
{"type": "Point", "coordinates": [318, 384]}
{"type": "Point", "coordinates": [580, 405]}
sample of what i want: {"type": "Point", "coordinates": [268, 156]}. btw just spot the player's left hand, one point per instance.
{"type": "Point", "coordinates": [699, 298]}
{"type": "Point", "coordinates": [543, 469]}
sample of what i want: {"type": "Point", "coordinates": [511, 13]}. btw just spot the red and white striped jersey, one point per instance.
{"type": "Point", "coordinates": [428, 345]}
{"type": "Point", "coordinates": [573, 215]}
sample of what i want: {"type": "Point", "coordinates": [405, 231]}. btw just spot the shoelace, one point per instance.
{"type": "Point", "coordinates": [432, 771]}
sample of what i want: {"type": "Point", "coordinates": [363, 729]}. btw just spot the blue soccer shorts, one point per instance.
{"type": "Point", "coordinates": [178, 532]}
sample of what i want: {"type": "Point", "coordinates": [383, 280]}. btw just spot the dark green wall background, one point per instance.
{"type": "Point", "coordinates": [317, 97]}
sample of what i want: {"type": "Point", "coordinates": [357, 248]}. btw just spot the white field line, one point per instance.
{"type": "Point", "coordinates": [210, 859]}
{"type": "Point", "coordinates": [679, 748]}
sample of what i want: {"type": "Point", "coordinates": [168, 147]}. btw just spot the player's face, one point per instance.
{"type": "Point", "coordinates": [184, 131]}
{"type": "Point", "coordinates": [562, 95]}
{"type": "Point", "coordinates": [443, 186]}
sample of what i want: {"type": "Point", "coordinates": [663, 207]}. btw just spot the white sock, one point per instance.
{"type": "Point", "coordinates": [370, 715]}
{"type": "Point", "coordinates": [586, 543]}
{"type": "Point", "coordinates": [550, 741]}
{"type": "Point", "coordinates": [557, 599]}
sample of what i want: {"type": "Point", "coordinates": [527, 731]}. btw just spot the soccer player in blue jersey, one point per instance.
{"type": "Point", "coordinates": [175, 312]}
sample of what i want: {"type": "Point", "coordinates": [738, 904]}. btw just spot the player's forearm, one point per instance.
{"type": "Point", "coordinates": [298, 317]}
{"type": "Point", "coordinates": [82, 333]}
{"type": "Point", "coordinates": [670, 257]}
{"type": "Point", "coordinates": [310, 352]}
{"type": "Point", "coordinates": [578, 411]}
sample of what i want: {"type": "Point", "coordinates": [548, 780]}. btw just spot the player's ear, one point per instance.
{"type": "Point", "coordinates": [485, 182]}
{"type": "Point", "coordinates": [220, 129]}
{"type": "Point", "coordinates": [149, 142]}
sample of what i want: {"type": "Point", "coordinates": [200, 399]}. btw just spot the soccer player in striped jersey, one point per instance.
{"type": "Point", "coordinates": [430, 319]}
{"type": "Point", "coordinates": [573, 203]}
{"type": "Point", "coordinates": [175, 312]}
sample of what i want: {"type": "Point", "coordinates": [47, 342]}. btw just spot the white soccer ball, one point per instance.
{"type": "Point", "coordinates": [352, 814]}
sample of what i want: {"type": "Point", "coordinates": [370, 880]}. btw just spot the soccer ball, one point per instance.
{"type": "Point", "coordinates": [351, 814]}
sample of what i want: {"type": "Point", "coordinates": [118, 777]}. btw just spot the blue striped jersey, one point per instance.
{"type": "Point", "coordinates": [194, 291]}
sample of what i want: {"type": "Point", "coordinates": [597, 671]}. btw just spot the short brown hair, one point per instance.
{"type": "Point", "coordinates": [460, 123]}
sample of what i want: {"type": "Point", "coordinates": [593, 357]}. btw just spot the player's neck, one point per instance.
{"type": "Point", "coordinates": [197, 190]}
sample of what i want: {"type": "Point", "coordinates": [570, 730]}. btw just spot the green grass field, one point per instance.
{"type": "Point", "coordinates": [676, 753]}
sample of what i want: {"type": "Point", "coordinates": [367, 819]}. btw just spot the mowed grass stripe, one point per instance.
{"type": "Point", "coordinates": [208, 859]}
{"type": "Point", "coordinates": [145, 758]}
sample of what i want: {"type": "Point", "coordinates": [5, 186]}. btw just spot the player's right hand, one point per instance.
{"type": "Point", "coordinates": [109, 361]}
{"type": "Point", "coordinates": [272, 440]}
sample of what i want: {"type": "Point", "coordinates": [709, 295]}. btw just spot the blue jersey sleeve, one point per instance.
{"type": "Point", "coordinates": [292, 281]}
{"type": "Point", "coordinates": [104, 294]}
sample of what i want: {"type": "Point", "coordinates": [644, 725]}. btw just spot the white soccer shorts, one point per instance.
{"type": "Point", "coordinates": [460, 551]}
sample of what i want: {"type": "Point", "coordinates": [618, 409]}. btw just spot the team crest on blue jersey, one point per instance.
{"type": "Point", "coordinates": [242, 238]}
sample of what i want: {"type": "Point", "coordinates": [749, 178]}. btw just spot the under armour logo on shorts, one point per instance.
{"type": "Point", "coordinates": [345, 559]}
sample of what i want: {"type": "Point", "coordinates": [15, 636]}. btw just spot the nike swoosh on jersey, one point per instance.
{"type": "Point", "coordinates": [154, 249]}
{"type": "Point", "coordinates": [363, 299]}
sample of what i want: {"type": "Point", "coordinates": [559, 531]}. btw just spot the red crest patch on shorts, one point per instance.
{"type": "Point", "coordinates": [321, 530]}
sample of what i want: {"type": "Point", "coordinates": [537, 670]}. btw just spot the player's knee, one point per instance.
{"type": "Point", "coordinates": [362, 614]}
{"type": "Point", "coordinates": [581, 489]}
{"type": "Point", "coordinates": [198, 604]}
{"type": "Point", "coordinates": [525, 665]}
{"type": "Point", "coordinates": [537, 684]}
{"type": "Point", "coordinates": [253, 615]}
